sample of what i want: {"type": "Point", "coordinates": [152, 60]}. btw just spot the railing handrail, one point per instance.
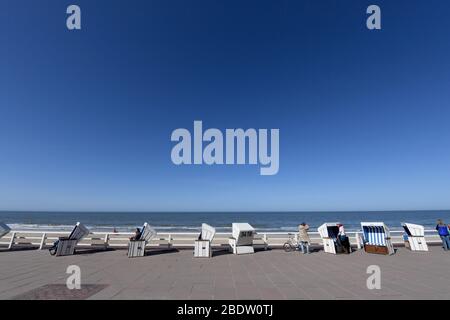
{"type": "Point", "coordinates": [187, 233]}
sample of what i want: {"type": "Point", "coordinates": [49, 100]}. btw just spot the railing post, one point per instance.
{"type": "Point", "coordinates": [266, 245]}
{"type": "Point", "coordinates": [358, 240]}
{"type": "Point", "coordinates": [106, 240]}
{"type": "Point", "coordinates": [44, 237]}
{"type": "Point", "coordinates": [11, 242]}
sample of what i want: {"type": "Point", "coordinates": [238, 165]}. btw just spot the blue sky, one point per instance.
{"type": "Point", "coordinates": [86, 116]}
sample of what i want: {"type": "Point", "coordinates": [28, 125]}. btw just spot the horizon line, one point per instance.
{"type": "Point", "coordinates": [213, 211]}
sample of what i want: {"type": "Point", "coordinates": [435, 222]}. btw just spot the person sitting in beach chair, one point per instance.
{"type": "Point", "coordinates": [303, 237]}
{"type": "Point", "coordinates": [137, 235]}
{"type": "Point", "coordinates": [65, 246]}
{"type": "Point", "coordinates": [343, 240]}
{"type": "Point", "coordinates": [137, 244]}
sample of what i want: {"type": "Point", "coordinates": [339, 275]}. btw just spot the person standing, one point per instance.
{"type": "Point", "coordinates": [303, 237]}
{"type": "Point", "coordinates": [442, 229]}
{"type": "Point", "coordinates": [343, 239]}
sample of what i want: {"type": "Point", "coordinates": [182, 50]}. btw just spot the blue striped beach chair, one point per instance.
{"type": "Point", "coordinates": [376, 237]}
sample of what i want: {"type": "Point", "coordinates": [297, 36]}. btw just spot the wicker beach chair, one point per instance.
{"type": "Point", "coordinates": [416, 236]}
{"type": "Point", "coordinates": [65, 246]}
{"type": "Point", "coordinates": [4, 229]}
{"type": "Point", "coordinates": [202, 246]}
{"type": "Point", "coordinates": [241, 241]}
{"type": "Point", "coordinates": [136, 247]}
{"type": "Point", "coordinates": [329, 232]}
{"type": "Point", "coordinates": [376, 237]}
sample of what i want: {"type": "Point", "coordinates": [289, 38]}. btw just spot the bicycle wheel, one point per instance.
{"type": "Point", "coordinates": [287, 247]}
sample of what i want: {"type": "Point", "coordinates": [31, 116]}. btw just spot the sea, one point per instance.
{"type": "Point", "coordinates": [191, 221]}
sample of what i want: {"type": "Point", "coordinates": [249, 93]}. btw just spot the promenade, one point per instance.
{"type": "Point", "coordinates": [271, 274]}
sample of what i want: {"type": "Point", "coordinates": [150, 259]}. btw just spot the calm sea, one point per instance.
{"type": "Point", "coordinates": [191, 221]}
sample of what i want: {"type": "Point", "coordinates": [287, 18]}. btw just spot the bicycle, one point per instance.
{"type": "Point", "coordinates": [292, 244]}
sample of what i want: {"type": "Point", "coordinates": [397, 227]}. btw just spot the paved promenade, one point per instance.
{"type": "Point", "coordinates": [272, 274]}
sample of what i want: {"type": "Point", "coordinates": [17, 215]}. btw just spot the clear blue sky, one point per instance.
{"type": "Point", "coordinates": [86, 116]}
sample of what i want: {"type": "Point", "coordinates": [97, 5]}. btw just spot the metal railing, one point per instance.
{"type": "Point", "coordinates": [44, 239]}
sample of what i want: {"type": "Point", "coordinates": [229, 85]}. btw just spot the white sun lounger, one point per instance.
{"type": "Point", "coordinates": [136, 248]}
{"type": "Point", "coordinates": [416, 236]}
{"type": "Point", "coordinates": [329, 232]}
{"type": "Point", "coordinates": [66, 245]}
{"type": "Point", "coordinates": [376, 237]}
{"type": "Point", "coordinates": [4, 229]}
{"type": "Point", "coordinates": [202, 246]}
{"type": "Point", "coordinates": [241, 241]}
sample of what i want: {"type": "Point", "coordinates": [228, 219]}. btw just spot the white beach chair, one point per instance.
{"type": "Point", "coordinates": [136, 248]}
{"type": "Point", "coordinates": [376, 237]}
{"type": "Point", "coordinates": [241, 241]}
{"type": "Point", "coordinates": [416, 236]}
{"type": "Point", "coordinates": [66, 245]}
{"type": "Point", "coordinates": [329, 232]}
{"type": "Point", "coordinates": [4, 229]}
{"type": "Point", "coordinates": [202, 246]}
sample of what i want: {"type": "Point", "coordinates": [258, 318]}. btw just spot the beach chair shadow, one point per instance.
{"type": "Point", "coordinates": [87, 251]}
{"type": "Point", "coordinates": [158, 251]}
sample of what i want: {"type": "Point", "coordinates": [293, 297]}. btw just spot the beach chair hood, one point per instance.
{"type": "Point", "coordinates": [414, 229]}
{"type": "Point", "coordinates": [147, 232]}
{"type": "Point", "coordinates": [4, 229]}
{"type": "Point", "coordinates": [79, 232]}
{"type": "Point", "coordinates": [208, 232]}
{"type": "Point", "coordinates": [329, 230]}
